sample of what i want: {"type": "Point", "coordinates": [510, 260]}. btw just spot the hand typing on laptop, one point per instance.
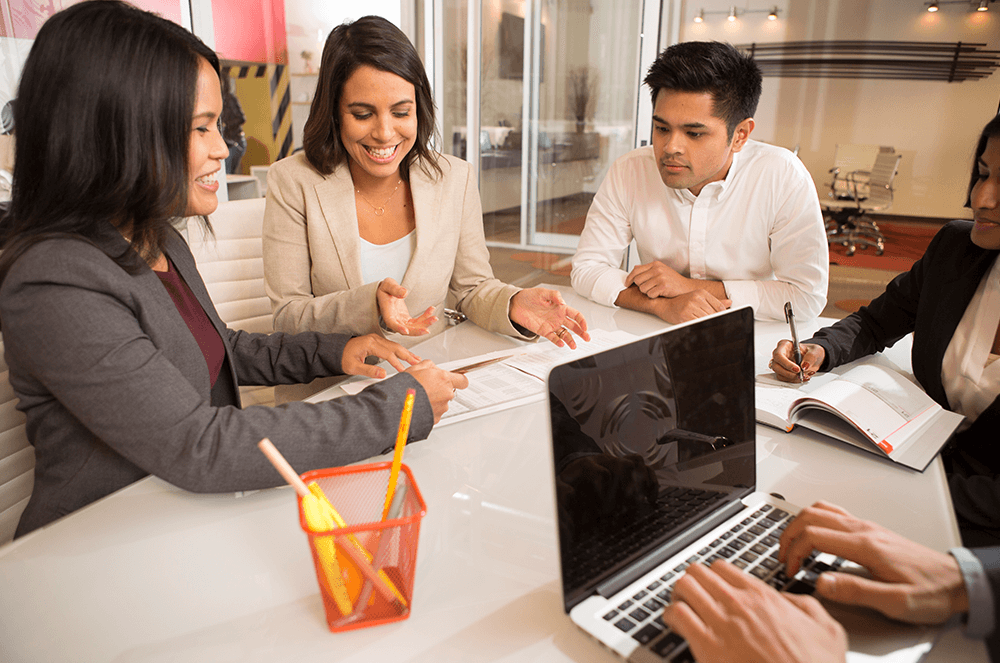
{"type": "Point", "coordinates": [727, 615]}
{"type": "Point", "coordinates": [909, 582]}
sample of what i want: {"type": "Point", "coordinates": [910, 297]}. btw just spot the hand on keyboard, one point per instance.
{"type": "Point", "coordinates": [909, 582]}
{"type": "Point", "coordinates": [729, 616]}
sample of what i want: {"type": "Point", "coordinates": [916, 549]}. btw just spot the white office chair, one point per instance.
{"type": "Point", "coordinates": [17, 458]}
{"type": "Point", "coordinates": [232, 265]}
{"type": "Point", "coordinates": [857, 189]}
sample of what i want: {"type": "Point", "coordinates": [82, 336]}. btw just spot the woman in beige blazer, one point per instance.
{"type": "Point", "coordinates": [367, 182]}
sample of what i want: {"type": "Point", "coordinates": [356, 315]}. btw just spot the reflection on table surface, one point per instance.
{"type": "Point", "coordinates": [154, 573]}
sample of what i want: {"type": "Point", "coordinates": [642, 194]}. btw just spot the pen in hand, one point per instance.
{"type": "Point", "coordinates": [796, 353]}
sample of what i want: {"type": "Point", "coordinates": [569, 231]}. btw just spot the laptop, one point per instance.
{"type": "Point", "coordinates": [654, 459]}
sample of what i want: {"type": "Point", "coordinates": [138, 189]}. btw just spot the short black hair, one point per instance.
{"type": "Point", "coordinates": [730, 76]}
{"type": "Point", "coordinates": [103, 118]}
{"type": "Point", "coordinates": [991, 130]}
{"type": "Point", "coordinates": [376, 42]}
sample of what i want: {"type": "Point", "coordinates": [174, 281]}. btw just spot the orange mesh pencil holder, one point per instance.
{"type": "Point", "coordinates": [389, 548]}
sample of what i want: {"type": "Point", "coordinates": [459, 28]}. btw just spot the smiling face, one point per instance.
{"type": "Point", "coordinates": [207, 148]}
{"type": "Point", "coordinates": [986, 197]}
{"type": "Point", "coordinates": [378, 122]}
{"type": "Point", "coordinates": [691, 145]}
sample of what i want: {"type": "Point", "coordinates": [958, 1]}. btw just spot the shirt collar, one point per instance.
{"type": "Point", "coordinates": [719, 189]}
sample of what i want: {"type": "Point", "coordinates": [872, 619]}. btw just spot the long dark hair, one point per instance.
{"type": "Point", "coordinates": [991, 130]}
{"type": "Point", "coordinates": [103, 124]}
{"type": "Point", "coordinates": [373, 41]}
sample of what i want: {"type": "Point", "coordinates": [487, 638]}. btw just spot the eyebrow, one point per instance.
{"type": "Point", "coordinates": [689, 125]}
{"type": "Point", "coordinates": [361, 104]}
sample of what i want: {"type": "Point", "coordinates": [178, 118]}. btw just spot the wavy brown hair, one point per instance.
{"type": "Point", "coordinates": [372, 41]}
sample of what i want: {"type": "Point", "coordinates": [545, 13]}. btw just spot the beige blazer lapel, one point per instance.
{"type": "Point", "coordinates": [427, 205]}
{"type": "Point", "coordinates": [336, 200]}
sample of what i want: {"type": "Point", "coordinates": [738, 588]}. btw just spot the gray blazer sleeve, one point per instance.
{"type": "Point", "coordinates": [989, 558]}
{"type": "Point", "coordinates": [114, 386]}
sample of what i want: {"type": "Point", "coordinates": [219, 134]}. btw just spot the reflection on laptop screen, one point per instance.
{"type": "Point", "coordinates": [647, 439]}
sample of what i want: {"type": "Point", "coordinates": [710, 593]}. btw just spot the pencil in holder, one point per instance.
{"type": "Point", "coordinates": [365, 569]}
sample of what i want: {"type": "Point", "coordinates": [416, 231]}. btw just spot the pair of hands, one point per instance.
{"type": "Point", "coordinates": [440, 385]}
{"type": "Point", "coordinates": [676, 298]}
{"type": "Point", "coordinates": [728, 615]}
{"type": "Point", "coordinates": [539, 310]}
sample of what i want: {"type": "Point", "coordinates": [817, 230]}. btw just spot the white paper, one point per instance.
{"type": "Point", "coordinates": [519, 378]}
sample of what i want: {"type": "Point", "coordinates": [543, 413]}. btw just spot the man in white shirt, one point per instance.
{"type": "Point", "coordinates": [719, 220]}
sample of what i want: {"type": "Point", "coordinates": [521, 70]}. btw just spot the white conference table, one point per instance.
{"type": "Point", "coordinates": [154, 573]}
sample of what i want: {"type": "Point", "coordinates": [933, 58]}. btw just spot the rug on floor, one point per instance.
{"type": "Point", "coordinates": [904, 244]}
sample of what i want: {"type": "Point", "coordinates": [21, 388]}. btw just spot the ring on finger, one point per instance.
{"type": "Point", "coordinates": [562, 330]}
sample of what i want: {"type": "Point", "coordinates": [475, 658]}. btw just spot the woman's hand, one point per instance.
{"type": "Point", "coordinates": [785, 367]}
{"type": "Point", "coordinates": [392, 307]}
{"type": "Point", "coordinates": [729, 616]}
{"type": "Point", "coordinates": [543, 312]}
{"type": "Point", "coordinates": [360, 348]}
{"type": "Point", "coordinates": [439, 384]}
{"type": "Point", "coordinates": [909, 582]}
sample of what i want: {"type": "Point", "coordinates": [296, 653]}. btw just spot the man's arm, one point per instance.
{"type": "Point", "coordinates": [606, 235]}
{"type": "Point", "coordinates": [799, 254]}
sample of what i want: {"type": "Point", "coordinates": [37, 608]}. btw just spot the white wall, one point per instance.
{"type": "Point", "coordinates": [933, 124]}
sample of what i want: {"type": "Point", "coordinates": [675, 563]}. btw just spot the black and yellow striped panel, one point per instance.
{"type": "Point", "coordinates": [281, 103]}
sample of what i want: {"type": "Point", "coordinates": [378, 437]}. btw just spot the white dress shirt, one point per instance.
{"type": "Point", "coordinates": [760, 231]}
{"type": "Point", "coordinates": [970, 380]}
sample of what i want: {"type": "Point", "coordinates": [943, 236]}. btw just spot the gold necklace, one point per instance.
{"type": "Point", "coordinates": [379, 211]}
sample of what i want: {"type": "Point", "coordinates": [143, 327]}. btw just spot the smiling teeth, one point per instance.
{"type": "Point", "coordinates": [207, 179]}
{"type": "Point", "coordinates": [383, 153]}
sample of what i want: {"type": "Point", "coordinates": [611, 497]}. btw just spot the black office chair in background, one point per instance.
{"type": "Point", "coordinates": [854, 192]}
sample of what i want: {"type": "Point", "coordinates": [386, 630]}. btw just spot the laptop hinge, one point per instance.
{"type": "Point", "coordinates": [615, 583]}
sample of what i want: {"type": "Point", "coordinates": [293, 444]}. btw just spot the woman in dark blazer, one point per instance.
{"type": "Point", "coordinates": [950, 300]}
{"type": "Point", "coordinates": [119, 360]}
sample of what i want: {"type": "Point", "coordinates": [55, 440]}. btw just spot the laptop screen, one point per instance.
{"type": "Point", "coordinates": [648, 439]}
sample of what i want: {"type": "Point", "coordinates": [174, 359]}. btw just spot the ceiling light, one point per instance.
{"type": "Point", "coordinates": [933, 7]}
{"type": "Point", "coordinates": [700, 16]}
{"type": "Point", "coordinates": [773, 16]}
{"type": "Point", "coordinates": [732, 14]}
{"type": "Point", "coordinates": [983, 6]}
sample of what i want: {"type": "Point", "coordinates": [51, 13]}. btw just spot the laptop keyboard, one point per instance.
{"type": "Point", "coordinates": [751, 545]}
{"type": "Point", "coordinates": [600, 551]}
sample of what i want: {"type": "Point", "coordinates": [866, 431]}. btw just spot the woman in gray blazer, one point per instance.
{"type": "Point", "coordinates": [368, 224]}
{"type": "Point", "coordinates": [119, 360]}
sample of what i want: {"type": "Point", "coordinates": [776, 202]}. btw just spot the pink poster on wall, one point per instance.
{"type": "Point", "coordinates": [251, 31]}
{"type": "Point", "coordinates": [23, 18]}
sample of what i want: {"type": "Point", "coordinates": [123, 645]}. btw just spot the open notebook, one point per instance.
{"type": "Point", "coordinates": [654, 459]}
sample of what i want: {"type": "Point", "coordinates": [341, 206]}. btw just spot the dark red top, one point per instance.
{"type": "Point", "coordinates": [196, 319]}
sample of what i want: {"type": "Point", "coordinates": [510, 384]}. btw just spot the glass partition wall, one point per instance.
{"type": "Point", "coordinates": [549, 91]}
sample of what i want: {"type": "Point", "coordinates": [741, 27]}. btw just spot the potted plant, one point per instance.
{"type": "Point", "coordinates": [583, 86]}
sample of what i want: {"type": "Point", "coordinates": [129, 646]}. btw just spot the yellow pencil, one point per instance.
{"type": "Point", "coordinates": [397, 456]}
{"type": "Point", "coordinates": [384, 585]}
